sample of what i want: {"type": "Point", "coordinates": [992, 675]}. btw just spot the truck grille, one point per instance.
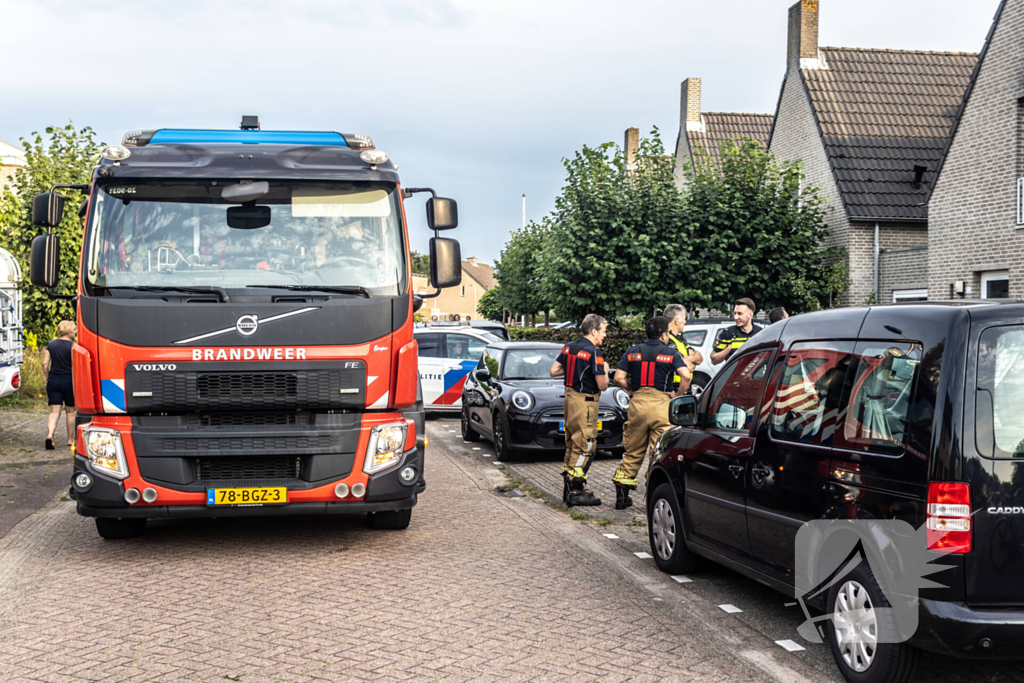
{"type": "Point", "coordinates": [295, 443]}
{"type": "Point", "coordinates": [267, 467]}
{"type": "Point", "coordinates": [191, 387]}
{"type": "Point", "coordinates": [248, 419]}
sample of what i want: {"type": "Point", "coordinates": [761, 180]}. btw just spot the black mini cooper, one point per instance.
{"type": "Point", "coordinates": [511, 399]}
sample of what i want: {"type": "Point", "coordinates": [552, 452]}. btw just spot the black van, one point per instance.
{"type": "Point", "coordinates": [911, 412]}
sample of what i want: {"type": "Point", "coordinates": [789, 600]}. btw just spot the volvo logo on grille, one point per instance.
{"type": "Point", "coordinates": [160, 367]}
{"type": "Point", "coordinates": [247, 325]}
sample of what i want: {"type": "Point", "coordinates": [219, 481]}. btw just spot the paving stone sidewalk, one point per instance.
{"type": "Point", "coordinates": [30, 475]}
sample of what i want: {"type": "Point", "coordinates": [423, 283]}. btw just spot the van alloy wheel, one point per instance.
{"type": "Point", "coordinates": [856, 626]}
{"type": "Point", "coordinates": [663, 526]}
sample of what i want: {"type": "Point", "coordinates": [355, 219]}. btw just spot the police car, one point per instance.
{"type": "Point", "coordinates": [447, 354]}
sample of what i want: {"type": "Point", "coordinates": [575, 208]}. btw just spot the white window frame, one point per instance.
{"type": "Point", "coordinates": [901, 294]}
{"type": "Point", "coordinates": [1020, 201]}
{"type": "Point", "coordinates": [992, 276]}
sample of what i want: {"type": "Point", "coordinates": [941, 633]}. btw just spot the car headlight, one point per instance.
{"type": "Point", "coordinates": [104, 450]}
{"type": "Point", "coordinates": [523, 400]}
{"type": "Point", "coordinates": [622, 399]}
{"type": "Point", "coordinates": [385, 447]}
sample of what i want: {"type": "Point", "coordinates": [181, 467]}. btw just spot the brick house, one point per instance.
{"type": "Point", "coordinates": [11, 158]}
{"type": "Point", "coordinates": [477, 278]}
{"type": "Point", "coordinates": [976, 209]}
{"type": "Point", "coordinates": [871, 128]}
{"type": "Point", "coordinates": [706, 131]}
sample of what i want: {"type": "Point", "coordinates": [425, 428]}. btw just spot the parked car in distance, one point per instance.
{"type": "Point", "coordinates": [701, 335]}
{"type": "Point", "coordinates": [904, 412]}
{"type": "Point", "coordinates": [447, 353]}
{"type": "Point", "coordinates": [495, 327]}
{"type": "Point", "coordinates": [512, 400]}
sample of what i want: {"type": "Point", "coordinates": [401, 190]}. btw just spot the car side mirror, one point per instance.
{"type": "Point", "coordinates": [47, 209]}
{"type": "Point", "coordinates": [483, 375]}
{"type": "Point", "coordinates": [44, 262]}
{"type": "Point", "coordinates": [682, 411]}
{"type": "Point", "coordinates": [442, 214]}
{"type": "Point", "coordinates": [445, 262]}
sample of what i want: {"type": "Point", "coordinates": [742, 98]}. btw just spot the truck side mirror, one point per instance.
{"type": "Point", "coordinates": [442, 214]}
{"type": "Point", "coordinates": [445, 262]}
{"type": "Point", "coordinates": [682, 411]}
{"type": "Point", "coordinates": [47, 209]}
{"type": "Point", "coordinates": [44, 263]}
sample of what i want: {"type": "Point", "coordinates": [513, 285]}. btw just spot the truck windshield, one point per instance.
{"type": "Point", "coordinates": [176, 234]}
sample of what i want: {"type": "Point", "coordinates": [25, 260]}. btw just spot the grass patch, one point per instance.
{"type": "Point", "coordinates": [638, 522]}
{"type": "Point", "coordinates": [514, 482]}
{"type": "Point", "coordinates": [602, 521]}
{"type": "Point", "coordinates": [578, 515]}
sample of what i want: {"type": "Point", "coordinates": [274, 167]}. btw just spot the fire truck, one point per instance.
{"type": "Point", "coordinates": [245, 327]}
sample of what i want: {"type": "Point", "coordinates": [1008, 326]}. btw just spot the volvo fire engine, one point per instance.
{"type": "Point", "coordinates": [245, 327]}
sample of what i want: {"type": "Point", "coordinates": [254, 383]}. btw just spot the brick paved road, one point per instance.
{"type": "Point", "coordinates": [480, 587]}
{"type": "Point", "coordinates": [30, 475]}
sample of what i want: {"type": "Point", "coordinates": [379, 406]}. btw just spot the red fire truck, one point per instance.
{"type": "Point", "coordinates": [245, 317]}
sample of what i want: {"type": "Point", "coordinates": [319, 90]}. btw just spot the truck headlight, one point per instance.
{"type": "Point", "coordinates": [622, 399]}
{"type": "Point", "coordinates": [523, 400]}
{"type": "Point", "coordinates": [104, 450]}
{"type": "Point", "coordinates": [385, 448]}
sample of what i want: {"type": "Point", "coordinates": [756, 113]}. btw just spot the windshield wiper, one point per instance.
{"type": "Point", "coordinates": [346, 289]}
{"type": "Point", "coordinates": [219, 291]}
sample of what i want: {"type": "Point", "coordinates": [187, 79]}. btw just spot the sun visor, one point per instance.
{"type": "Point", "coordinates": [312, 202]}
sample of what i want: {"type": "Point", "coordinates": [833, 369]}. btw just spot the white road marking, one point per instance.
{"type": "Point", "coordinates": [766, 662]}
{"type": "Point", "coordinates": [679, 578]}
{"type": "Point", "coordinates": [477, 448]}
{"type": "Point", "coordinates": [609, 535]}
{"type": "Point", "coordinates": [643, 555]}
{"type": "Point", "coordinates": [497, 463]}
{"type": "Point", "coordinates": [789, 645]}
{"type": "Point", "coordinates": [729, 609]}
{"type": "Point", "coordinates": [789, 604]}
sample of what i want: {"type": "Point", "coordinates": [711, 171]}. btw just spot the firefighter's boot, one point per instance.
{"type": "Point", "coordinates": [579, 495]}
{"type": "Point", "coordinates": [565, 487]}
{"type": "Point", "coordinates": [622, 499]}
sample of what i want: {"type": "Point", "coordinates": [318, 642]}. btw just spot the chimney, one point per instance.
{"type": "Point", "coordinates": [803, 36]}
{"type": "Point", "coordinates": [689, 106]}
{"type": "Point", "coordinates": [631, 146]}
{"type": "Point", "coordinates": [473, 260]}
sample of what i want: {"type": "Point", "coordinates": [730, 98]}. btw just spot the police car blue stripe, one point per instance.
{"type": "Point", "coordinates": [267, 137]}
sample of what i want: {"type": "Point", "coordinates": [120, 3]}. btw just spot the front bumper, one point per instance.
{"type": "Point", "coordinates": [539, 431]}
{"type": "Point", "coordinates": [962, 631]}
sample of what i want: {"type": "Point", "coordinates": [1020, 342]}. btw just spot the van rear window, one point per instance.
{"type": "Point", "coordinates": [999, 430]}
{"type": "Point", "coordinates": [806, 408]}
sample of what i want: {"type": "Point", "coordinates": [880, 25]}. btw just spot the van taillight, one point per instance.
{"type": "Point", "coordinates": [16, 380]}
{"type": "Point", "coordinates": [949, 517]}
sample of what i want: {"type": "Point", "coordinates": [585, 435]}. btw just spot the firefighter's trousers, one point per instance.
{"type": "Point", "coordinates": [581, 412]}
{"type": "Point", "coordinates": [646, 421]}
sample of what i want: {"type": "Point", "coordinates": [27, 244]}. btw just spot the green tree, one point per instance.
{"type": "Point", "coordinates": [619, 243]}
{"type": "Point", "coordinates": [67, 155]}
{"type": "Point", "coordinates": [757, 232]}
{"type": "Point", "coordinates": [489, 305]}
{"type": "Point", "coordinates": [521, 271]}
{"type": "Point", "coordinates": [420, 263]}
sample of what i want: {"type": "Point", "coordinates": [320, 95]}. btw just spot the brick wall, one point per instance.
{"type": "Point", "coordinates": [972, 211]}
{"type": "Point", "coordinates": [689, 113]}
{"type": "Point", "coordinates": [902, 268]}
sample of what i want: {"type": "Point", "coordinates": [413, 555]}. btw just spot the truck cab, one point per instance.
{"type": "Point", "coordinates": [245, 317]}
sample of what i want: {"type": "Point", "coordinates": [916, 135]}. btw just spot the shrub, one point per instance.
{"type": "Point", "coordinates": [615, 344]}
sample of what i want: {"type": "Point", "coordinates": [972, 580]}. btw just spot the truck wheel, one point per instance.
{"type": "Point", "coordinates": [390, 519]}
{"type": "Point", "coordinates": [468, 433]}
{"type": "Point", "coordinates": [113, 528]}
{"type": "Point", "coordinates": [862, 629]}
{"type": "Point", "coordinates": [665, 530]}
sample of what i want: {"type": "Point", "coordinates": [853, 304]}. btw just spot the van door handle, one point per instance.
{"type": "Point", "coordinates": [736, 470]}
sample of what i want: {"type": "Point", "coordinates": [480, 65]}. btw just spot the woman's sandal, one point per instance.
{"type": "Point", "coordinates": [49, 445]}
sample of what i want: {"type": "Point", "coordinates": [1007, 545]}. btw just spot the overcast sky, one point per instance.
{"type": "Point", "coordinates": [480, 100]}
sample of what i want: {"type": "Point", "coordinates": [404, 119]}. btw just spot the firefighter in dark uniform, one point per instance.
{"type": "Point", "coordinates": [651, 366]}
{"type": "Point", "coordinates": [737, 335]}
{"type": "Point", "coordinates": [582, 365]}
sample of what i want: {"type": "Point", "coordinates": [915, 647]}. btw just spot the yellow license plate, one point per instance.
{"type": "Point", "coordinates": [270, 495]}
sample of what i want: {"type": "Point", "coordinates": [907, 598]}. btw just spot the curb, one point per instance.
{"type": "Point", "coordinates": [604, 511]}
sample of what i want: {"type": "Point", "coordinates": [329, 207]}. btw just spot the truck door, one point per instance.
{"type": "Point", "coordinates": [717, 455]}
{"type": "Point", "coordinates": [462, 354]}
{"type": "Point", "coordinates": [790, 467]}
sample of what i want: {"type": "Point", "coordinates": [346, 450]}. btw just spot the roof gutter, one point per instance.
{"type": "Point", "coordinates": [884, 219]}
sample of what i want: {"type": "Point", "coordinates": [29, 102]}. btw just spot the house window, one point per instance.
{"type": "Point", "coordinates": [1020, 201]}
{"type": "Point", "coordinates": [904, 295]}
{"type": "Point", "coordinates": [995, 285]}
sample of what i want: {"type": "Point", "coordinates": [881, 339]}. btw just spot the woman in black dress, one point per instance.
{"type": "Point", "coordinates": [59, 388]}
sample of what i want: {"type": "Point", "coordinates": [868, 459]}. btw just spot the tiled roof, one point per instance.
{"type": "Point", "coordinates": [719, 128]}
{"type": "Point", "coordinates": [481, 272]}
{"type": "Point", "coordinates": [880, 113]}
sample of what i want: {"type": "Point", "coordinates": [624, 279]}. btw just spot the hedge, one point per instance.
{"type": "Point", "coordinates": [619, 339]}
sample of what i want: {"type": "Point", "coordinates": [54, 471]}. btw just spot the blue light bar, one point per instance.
{"type": "Point", "coordinates": [266, 137]}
